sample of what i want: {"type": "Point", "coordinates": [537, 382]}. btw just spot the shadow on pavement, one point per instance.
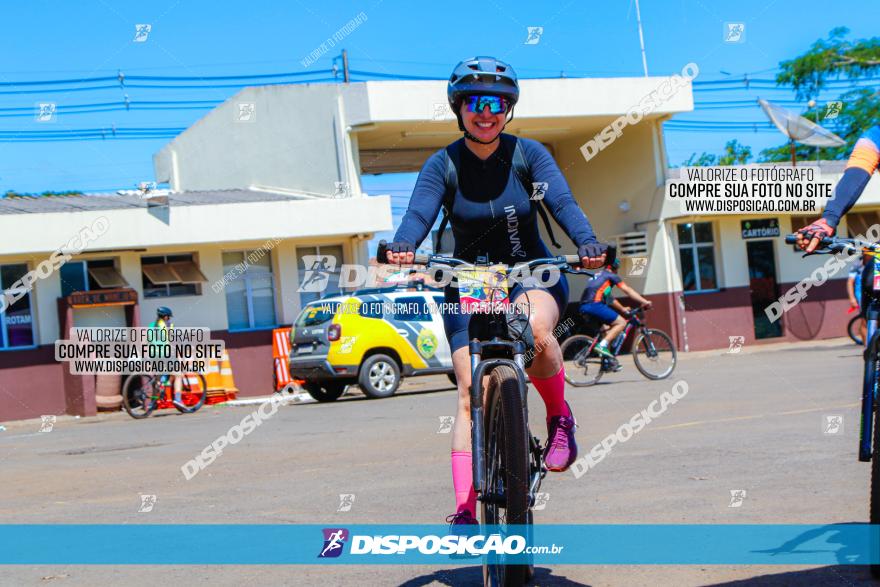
{"type": "Point", "coordinates": [468, 576]}
{"type": "Point", "coordinates": [835, 575]}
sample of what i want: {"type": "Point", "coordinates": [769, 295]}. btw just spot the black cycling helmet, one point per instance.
{"type": "Point", "coordinates": [163, 311]}
{"type": "Point", "coordinates": [611, 259]}
{"type": "Point", "coordinates": [481, 75]}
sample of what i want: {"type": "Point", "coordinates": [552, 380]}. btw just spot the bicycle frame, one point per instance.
{"type": "Point", "coordinates": [632, 322]}
{"type": "Point", "coordinates": [869, 384]}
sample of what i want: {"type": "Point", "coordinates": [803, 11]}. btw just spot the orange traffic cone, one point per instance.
{"type": "Point", "coordinates": [226, 379]}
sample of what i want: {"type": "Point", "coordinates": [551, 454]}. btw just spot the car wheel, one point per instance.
{"type": "Point", "coordinates": [379, 376]}
{"type": "Point", "coordinates": [324, 391]}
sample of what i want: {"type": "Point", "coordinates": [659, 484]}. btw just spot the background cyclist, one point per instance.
{"type": "Point", "coordinates": [492, 215]}
{"type": "Point", "coordinates": [598, 302]}
{"type": "Point", "coordinates": [163, 322]}
{"type": "Point", "coordinates": [863, 161]}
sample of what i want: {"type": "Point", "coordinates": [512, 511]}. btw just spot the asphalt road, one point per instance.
{"type": "Point", "coordinates": [751, 421]}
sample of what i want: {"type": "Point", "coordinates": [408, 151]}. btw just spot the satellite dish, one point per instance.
{"type": "Point", "coordinates": [799, 129]}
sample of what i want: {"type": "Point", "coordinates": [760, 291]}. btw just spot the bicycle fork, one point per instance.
{"type": "Point", "coordinates": [480, 368]}
{"type": "Point", "coordinates": [869, 386]}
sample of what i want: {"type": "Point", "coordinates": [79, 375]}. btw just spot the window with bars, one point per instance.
{"type": "Point", "coordinates": [250, 294]}
{"type": "Point", "coordinates": [696, 250]}
{"type": "Point", "coordinates": [16, 321]}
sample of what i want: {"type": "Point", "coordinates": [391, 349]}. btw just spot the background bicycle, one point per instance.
{"type": "Point", "coordinates": [852, 329]}
{"type": "Point", "coordinates": [653, 353]}
{"type": "Point", "coordinates": [142, 394]}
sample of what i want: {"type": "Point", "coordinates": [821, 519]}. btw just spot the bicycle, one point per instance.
{"type": "Point", "coordinates": [143, 394]}
{"type": "Point", "coordinates": [852, 328]}
{"type": "Point", "coordinates": [869, 427]}
{"type": "Point", "coordinates": [508, 465]}
{"type": "Point", "coordinates": [585, 367]}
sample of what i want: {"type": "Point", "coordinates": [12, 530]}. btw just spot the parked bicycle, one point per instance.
{"type": "Point", "coordinates": [508, 464]}
{"type": "Point", "coordinates": [143, 394]}
{"type": "Point", "coordinates": [653, 353]}
{"type": "Point", "coordinates": [869, 427]}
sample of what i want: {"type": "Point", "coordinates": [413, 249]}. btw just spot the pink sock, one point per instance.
{"type": "Point", "coordinates": [463, 482]}
{"type": "Point", "coordinates": [552, 391]}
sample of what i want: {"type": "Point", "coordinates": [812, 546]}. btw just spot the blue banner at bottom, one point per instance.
{"type": "Point", "coordinates": [581, 544]}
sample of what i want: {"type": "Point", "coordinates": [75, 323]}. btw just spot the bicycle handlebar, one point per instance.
{"type": "Point", "coordinates": [432, 260]}
{"type": "Point", "coordinates": [791, 239]}
{"type": "Point", "coordinates": [829, 244]}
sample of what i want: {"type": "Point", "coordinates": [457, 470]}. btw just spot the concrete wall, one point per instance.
{"type": "Point", "coordinates": [625, 170]}
{"type": "Point", "coordinates": [293, 142]}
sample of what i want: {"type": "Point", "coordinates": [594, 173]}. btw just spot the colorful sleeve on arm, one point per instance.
{"type": "Point", "coordinates": [557, 196]}
{"type": "Point", "coordinates": [866, 153]}
{"type": "Point", "coordinates": [425, 202]}
{"type": "Point", "coordinates": [861, 164]}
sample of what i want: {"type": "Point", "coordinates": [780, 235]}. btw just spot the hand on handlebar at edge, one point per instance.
{"type": "Point", "coordinates": [399, 253]}
{"type": "Point", "coordinates": [809, 237]}
{"type": "Point", "coordinates": [592, 255]}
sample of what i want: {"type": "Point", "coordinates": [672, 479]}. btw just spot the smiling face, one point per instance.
{"type": "Point", "coordinates": [483, 125]}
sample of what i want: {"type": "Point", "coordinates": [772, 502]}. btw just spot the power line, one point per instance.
{"type": "Point", "coordinates": [165, 78]}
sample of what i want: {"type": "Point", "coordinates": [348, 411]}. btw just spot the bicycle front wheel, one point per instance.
{"type": "Point", "coordinates": [853, 329]}
{"type": "Point", "coordinates": [582, 366]}
{"type": "Point", "coordinates": [194, 391]}
{"type": "Point", "coordinates": [139, 395]}
{"type": "Point", "coordinates": [506, 500]}
{"type": "Point", "coordinates": [654, 354]}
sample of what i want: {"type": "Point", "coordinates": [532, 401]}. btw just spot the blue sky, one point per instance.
{"type": "Point", "coordinates": [41, 40]}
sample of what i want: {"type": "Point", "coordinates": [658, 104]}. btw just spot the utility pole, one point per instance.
{"type": "Point", "coordinates": [641, 39]}
{"type": "Point", "coordinates": [345, 66]}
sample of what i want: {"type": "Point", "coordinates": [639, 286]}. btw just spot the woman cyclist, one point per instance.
{"type": "Point", "coordinates": [492, 215]}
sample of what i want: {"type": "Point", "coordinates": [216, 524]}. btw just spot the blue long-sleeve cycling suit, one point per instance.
{"type": "Point", "coordinates": [492, 214]}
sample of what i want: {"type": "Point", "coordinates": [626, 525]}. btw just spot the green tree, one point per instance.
{"type": "Point", "coordinates": [15, 194]}
{"type": "Point", "coordinates": [834, 56]}
{"type": "Point", "coordinates": [704, 160]}
{"type": "Point", "coordinates": [807, 74]}
{"type": "Point", "coordinates": [734, 154]}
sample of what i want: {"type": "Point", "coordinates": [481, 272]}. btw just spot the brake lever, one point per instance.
{"type": "Point", "coordinates": [825, 251]}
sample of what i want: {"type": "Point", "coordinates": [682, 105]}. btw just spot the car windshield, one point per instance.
{"type": "Point", "coordinates": [317, 313]}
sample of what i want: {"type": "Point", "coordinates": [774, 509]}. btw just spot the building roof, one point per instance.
{"type": "Point", "coordinates": [95, 202]}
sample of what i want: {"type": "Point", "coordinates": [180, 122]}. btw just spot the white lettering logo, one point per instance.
{"type": "Point", "coordinates": [513, 232]}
